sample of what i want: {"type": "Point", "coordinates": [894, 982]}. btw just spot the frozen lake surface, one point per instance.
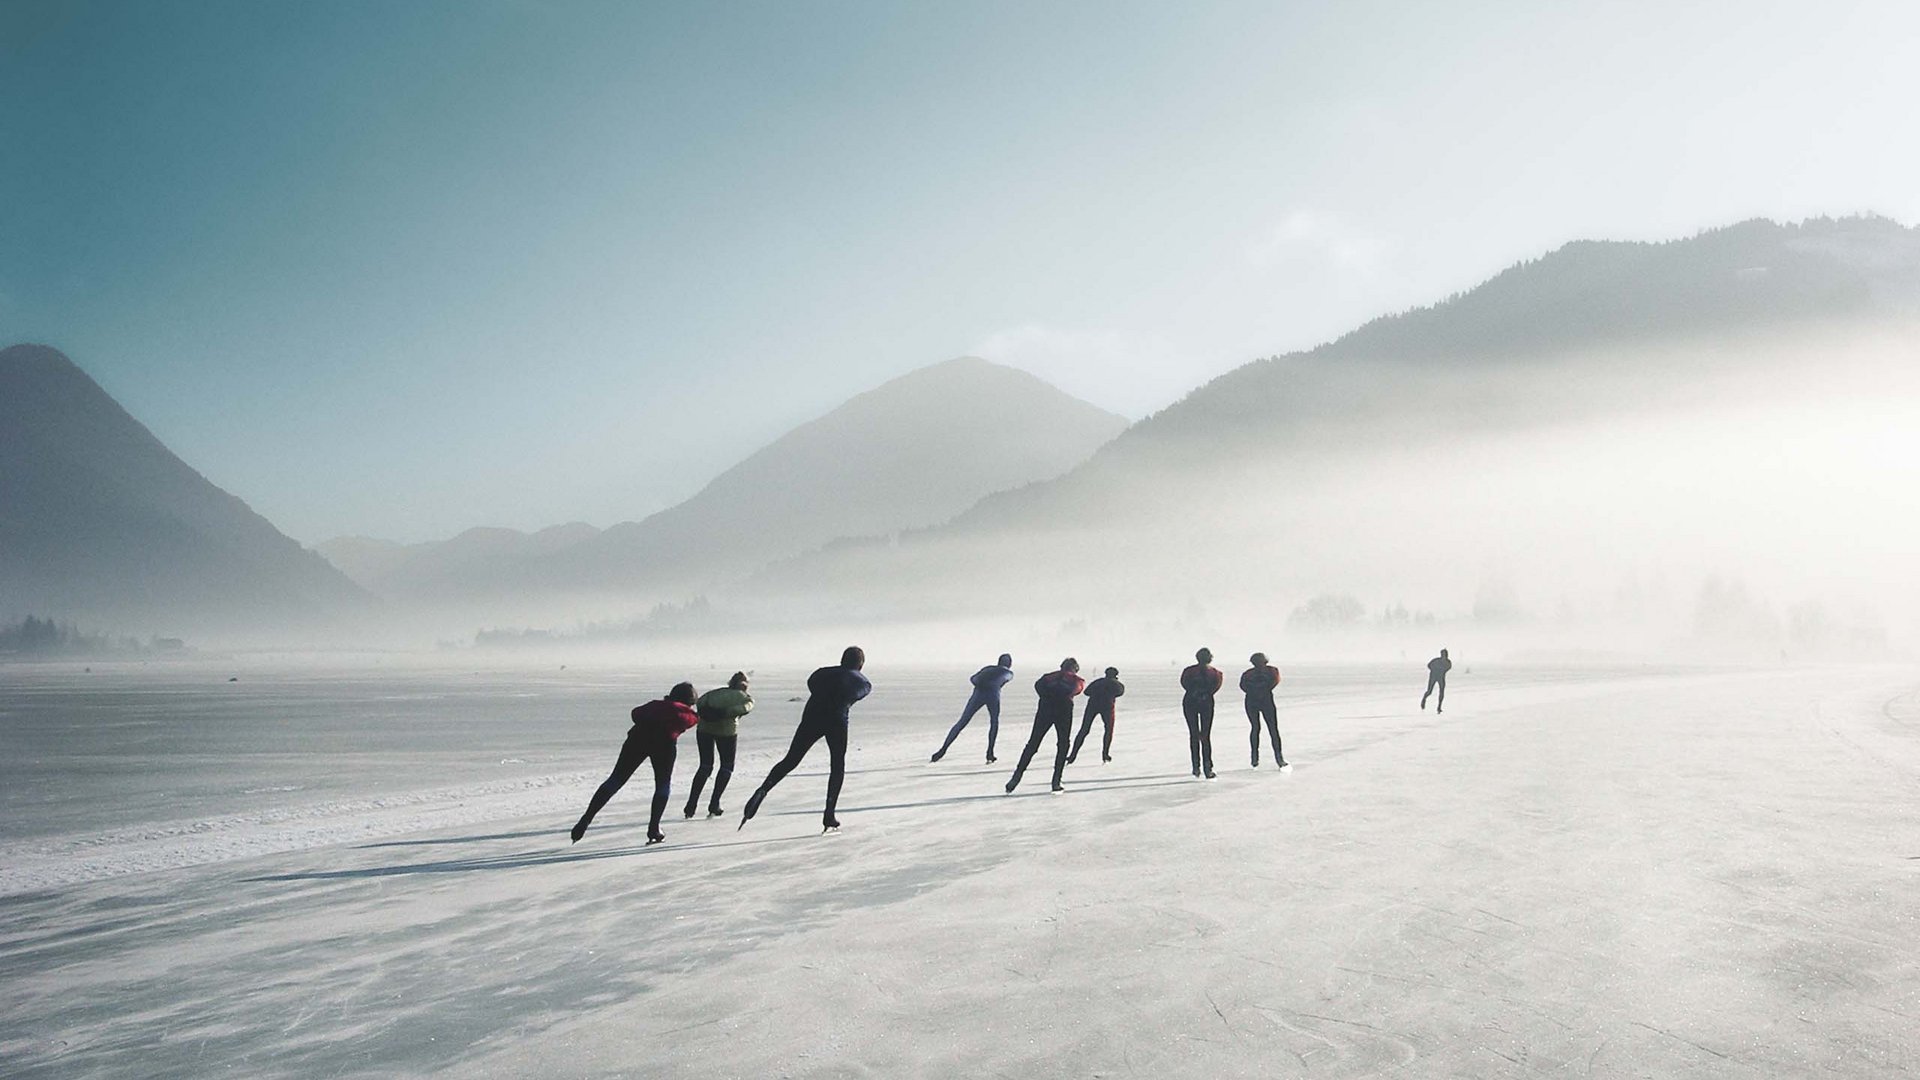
{"type": "Point", "coordinates": [1576, 872]}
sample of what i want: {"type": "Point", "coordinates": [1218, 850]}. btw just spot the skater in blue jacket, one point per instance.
{"type": "Point", "coordinates": [986, 694]}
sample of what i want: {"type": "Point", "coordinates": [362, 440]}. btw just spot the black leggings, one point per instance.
{"type": "Point", "coordinates": [1105, 712]}
{"type": "Point", "coordinates": [1435, 682]}
{"type": "Point", "coordinates": [708, 744]}
{"type": "Point", "coordinates": [1061, 721]}
{"type": "Point", "coordinates": [1199, 714]}
{"type": "Point", "coordinates": [636, 749]}
{"type": "Point", "coordinates": [804, 737]}
{"type": "Point", "coordinates": [1258, 709]}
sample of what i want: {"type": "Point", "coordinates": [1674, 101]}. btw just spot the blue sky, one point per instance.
{"type": "Point", "coordinates": [402, 268]}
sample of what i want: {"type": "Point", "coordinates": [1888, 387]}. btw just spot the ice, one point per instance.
{"type": "Point", "coordinates": [1620, 872]}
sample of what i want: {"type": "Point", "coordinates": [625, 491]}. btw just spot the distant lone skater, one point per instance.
{"type": "Point", "coordinates": [720, 711]}
{"type": "Point", "coordinates": [1437, 669]}
{"type": "Point", "coordinates": [1101, 694]}
{"type": "Point", "coordinates": [832, 693]}
{"type": "Point", "coordinates": [986, 694]}
{"type": "Point", "coordinates": [656, 727]}
{"type": "Point", "coordinates": [1057, 689]}
{"type": "Point", "coordinates": [1201, 681]}
{"type": "Point", "coordinates": [1258, 683]}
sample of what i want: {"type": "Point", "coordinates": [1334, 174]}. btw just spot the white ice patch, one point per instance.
{"type": "Point", "coordinates": [45, 863]}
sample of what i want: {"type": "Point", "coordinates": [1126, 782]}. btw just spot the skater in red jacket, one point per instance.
{"type": "Point", "coordinates": [1057, 689]}
{"type": "Point", "coordinates": [1101, 694]}
{"type": "Point", "coordinates": [656, 728]}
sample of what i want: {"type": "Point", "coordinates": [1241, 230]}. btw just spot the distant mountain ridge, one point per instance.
{"type": "Point", "coordinates": [100, 521]}
{"type": "Point", "coordinates": [1548, 339]}
{"type": "Point", "coordinates": [389, 568]}
{"type": "Point", "coordinates": [1220, 493]}
{"type": "Point", "coordinates": [910, 453]}
{"type": "Point", "coordinates": [968, 486]}
{"type": "Point", "coordinates": [1751, 274]}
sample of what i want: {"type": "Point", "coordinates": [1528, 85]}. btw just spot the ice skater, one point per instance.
{"type": "Point", "coordinates": [1057, 689]}
{"type": "Point", "coordinates": [1258, 683]}
{"type": "Point", "coordinates": [1101, 693]}
{"type": "Point", "coordinates": [986, 694]}
{"type": "Point", "coordinates": [656, 727]}
{"type": "Point", "coordinates": [832, 692]}
{"type": "Point", "coordinates": [720, 711]}
{"type": "Point", "coordinates": [1200, 682]}
{"type": "Point", "coordinates": [1437, 669]}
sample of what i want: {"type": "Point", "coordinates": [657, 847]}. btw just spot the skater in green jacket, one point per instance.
{"type": "Point", "coordinates": [719, 729]}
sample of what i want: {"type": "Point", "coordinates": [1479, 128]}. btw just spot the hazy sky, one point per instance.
{"type": "Point", "coordinates": [402, 268]}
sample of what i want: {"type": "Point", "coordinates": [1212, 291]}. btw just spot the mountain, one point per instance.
{"type": "Point", "coordinates": [387, 568]}
{"type": "Point", "coordinates": [1589, 329]}
{"type": "Point", "coordinates": [367, 560]}
{"type": "Point", "coordinates": [101, 523]}
{"type": "Point", "coordinates": [1426, 452]}
{"type": "Point", "coordinates": [910, 453]}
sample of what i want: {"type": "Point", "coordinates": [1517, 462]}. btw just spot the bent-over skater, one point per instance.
{"type": "Point", "coordinates": [720, 711]}
{"type": "Point", "coordinates": [1200, 681]}
{"type": "Point", "coordinates": [986, 694]}
{"type": "Point", "coordinates": [832, 692]}
{"type": "Point", "coordinates": [1258, 683]}
{"type": "Point", "coordinates": [1437, 669]}
{"type": "Point", "coordinates": [1101, 693]}
{"type": "Point", "coordinates": [1057, 689]}
{"type": "Point", "coordinates": [656, 727]}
